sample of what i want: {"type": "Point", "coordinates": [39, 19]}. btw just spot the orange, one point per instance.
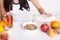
{"type": "Point", "coordinates": [55, 24]}
{"type": "Point", "coordinates": [2, 24]}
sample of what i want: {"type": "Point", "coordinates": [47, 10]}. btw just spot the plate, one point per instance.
{"type": "Point", "coordinates": [27, 23]}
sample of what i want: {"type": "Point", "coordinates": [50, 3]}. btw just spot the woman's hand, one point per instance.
{"type": "Point", "coordinates": [39, 8]}
{"type": "Point", "coordinates": [8, 13]}
{"type": "Point", "coordinates": [47, 14]}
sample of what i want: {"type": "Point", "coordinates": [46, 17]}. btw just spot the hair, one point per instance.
{"type": "Point", "coordinates": [23, 4]}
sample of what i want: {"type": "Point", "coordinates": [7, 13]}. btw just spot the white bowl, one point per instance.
{"type": "Point", "coordinates": [24, 24]}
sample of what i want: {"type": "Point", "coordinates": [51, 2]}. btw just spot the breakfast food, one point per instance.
{"type": "Point", "coordinates": [45, 27]}
{"type": "Point", "coordinates": [1, 29]}
{"type": "Point", "coordinates": [4, 36]}
{"type": "Point", "coordinates": [57, 30]}
{"type": "Point", "coordinates": [52, 33]}
{"type": "Point", "coordinates": [55, 24]}
{"type": "Point", "coordinates": [30, 27]}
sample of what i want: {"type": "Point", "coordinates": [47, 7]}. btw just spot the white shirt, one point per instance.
{"type": "Point", "coordinates": [19, 15]}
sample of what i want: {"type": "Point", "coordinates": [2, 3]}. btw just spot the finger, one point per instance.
{"type": "Point", "coordinates": [48, 15]}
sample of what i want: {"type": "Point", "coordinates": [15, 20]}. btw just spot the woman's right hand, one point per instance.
{"type": "Point", "coordinates": [48, 14]}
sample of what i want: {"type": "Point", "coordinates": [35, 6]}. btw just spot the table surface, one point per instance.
{"type": "Point", "coordinates": [18, 33]}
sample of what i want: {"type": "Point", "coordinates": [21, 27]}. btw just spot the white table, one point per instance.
{"type": "Point", "coordinates": [18, 33]}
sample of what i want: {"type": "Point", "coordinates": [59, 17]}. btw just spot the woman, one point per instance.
{"type": "Point", "coordinates": [3, 11]}
{"type": "Point", "coordinates": [0, 12]}
{"type": "Point", "coordinates": [6, 18]}
{"type": "Point", "coordinates": [3, 36]}
{"type": "Point", "coordinates": [23, 4]}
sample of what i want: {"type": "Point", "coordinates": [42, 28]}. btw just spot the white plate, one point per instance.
{"type": "Point", "coordinates": [24, 24]}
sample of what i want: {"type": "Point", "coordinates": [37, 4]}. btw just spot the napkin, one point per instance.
{"type": "Point", "coordinates": [44, 18]}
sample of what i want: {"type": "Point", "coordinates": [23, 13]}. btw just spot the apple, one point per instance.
{"type": "Point", "coordinates": [57, 30]}
{"type": "Point", "coordinates": [4, 36]}
{"type": "Point", "coordinates": [52, 32]}
{"type": "Point", "coordinates": [44, 27]}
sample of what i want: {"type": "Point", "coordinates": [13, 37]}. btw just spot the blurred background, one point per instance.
{"type": "Point", "coordinates": [51, 6]}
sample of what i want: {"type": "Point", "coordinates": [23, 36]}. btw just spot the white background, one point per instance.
{"type": "Point", "coordinates": [17, 33]}
{"type": "Point", "coordinates": [50, 6]}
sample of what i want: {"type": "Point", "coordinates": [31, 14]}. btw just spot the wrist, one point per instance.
{"type": "Point", "coordinates": [41, 11]}
{"type": "Point", "coordinates": [44, 12]}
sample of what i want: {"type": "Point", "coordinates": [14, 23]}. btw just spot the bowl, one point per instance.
{"type": "Point", "coordinates": [30, 26]}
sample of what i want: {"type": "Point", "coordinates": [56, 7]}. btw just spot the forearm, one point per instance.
{"type": "Point", "coordinates": [2, 8]}
{"type": "Point", "coordinates": [37, 5]}
{"type": "Point", "coordinates": [41, 10]}
{"type": "Point", "coordinates": [3, 11]}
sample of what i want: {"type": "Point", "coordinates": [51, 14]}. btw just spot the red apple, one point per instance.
{"type": "Point", "coordinates": [44, 27]}
{"type": "Point", "coordinates": [4, 36]}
